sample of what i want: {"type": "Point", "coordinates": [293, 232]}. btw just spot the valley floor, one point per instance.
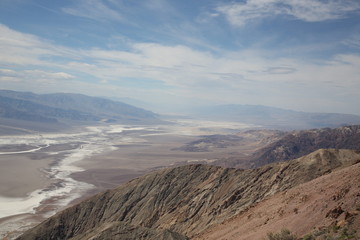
{"type": "Point", "coordinates": [42, 173]}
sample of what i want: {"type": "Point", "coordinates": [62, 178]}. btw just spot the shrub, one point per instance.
{"type": "Point", "coordinates": [308, 237]}
{"type": "Point", "coordinates": [285, 234]}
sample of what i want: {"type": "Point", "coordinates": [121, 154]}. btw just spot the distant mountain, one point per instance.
{"type": "Point", "coordinates": [299, 143]}
{"type": "Point", "coordinates": [272, 117]}
{"type": "Point", "coordinates": [186, 201]}
{"type": "Point", "coordinates": [65, 107]}
{"type": "Point", "coordinates": [254, 148]}
{"type": "Point", "coordinates": [33, 111]}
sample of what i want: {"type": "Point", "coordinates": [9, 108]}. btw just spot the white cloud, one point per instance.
{"type": "Point", "coordinates": [34, 76]}
{"type": "Point", "coordinates": [40, 74]}
{"type": "Point", "coordinates": [26, 49]}
{"type": "Point", "coordinates": [239, 14]}
{"type": "Point", "coordinates": [9, 79]}
{"type": "Point", "coordinates": [19, 48]}
{"type": "Point", "coordinates": [236, 77]}
{"type": "Point", "coordinates": [7, 72]}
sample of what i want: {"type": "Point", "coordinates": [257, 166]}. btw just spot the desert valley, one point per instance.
{"type": "Point", "coordinates": [177, 120]}
{"type": "Point", "coordinates": [174, 178]}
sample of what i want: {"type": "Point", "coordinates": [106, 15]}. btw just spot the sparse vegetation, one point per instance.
{"type": "Point", "coordinates": [357, 206]}
{"type": "Point", "coordinates": [296, 210]}
{"type": "Point", "coordinates": [308, 237]}
{"type": "Point", "coordinates": [285, 234]}
{"type": "Point", "coordinates": [346, 234]}
{"type": "Point", "coordinates": [335, 228]}
{"type": "Point", "coordinates": [332, 233]}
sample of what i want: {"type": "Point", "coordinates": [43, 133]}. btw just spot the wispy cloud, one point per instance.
{"type": "Point", "coordinates": [353, 41]}
{"type": "Point", "coordinates": [280, 70]}
{"type": "Point", "coordinates": [26, 49]}
{"type": "Point", "coordinates": [239, 14]}
{"type": "Point", "coordinates": [159, 5]}
{"type": "Point", "coordinates": [94, 9]}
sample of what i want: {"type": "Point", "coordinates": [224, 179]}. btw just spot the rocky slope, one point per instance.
{"type": "Point", "coordinates": [184, 201]}
{"type": "Point", "coordinates": [327, 207]}
{"type": "Point", "coordinates": [299, 143]}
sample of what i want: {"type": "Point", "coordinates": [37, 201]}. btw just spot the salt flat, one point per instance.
{"type": "Point", "coordinates": [58, 168]}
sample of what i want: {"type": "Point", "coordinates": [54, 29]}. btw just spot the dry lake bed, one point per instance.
{"type": "Point", "coordinates": [42, 173]}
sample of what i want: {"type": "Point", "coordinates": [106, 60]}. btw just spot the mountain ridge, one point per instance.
{"type": "Point", "coordinates": [188, 199]}
{"type": "Point", "coordinates": [69, 109]}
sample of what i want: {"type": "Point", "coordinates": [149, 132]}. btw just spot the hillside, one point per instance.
{"type": "Point", "coordinates": [299, 143]}
{"type": "Point", "coordinates": [66, 108]}
{"type": "Point", "coordinates": [187, 200]}
{"type": "Point", "coordinates": [327, 208]}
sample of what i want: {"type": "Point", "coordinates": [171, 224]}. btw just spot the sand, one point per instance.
{"type": "Point", "coordinates": [110, 169]}
{"type": "Point", "coordinates": [20, 175]}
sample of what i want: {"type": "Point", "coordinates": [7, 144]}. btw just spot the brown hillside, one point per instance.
{"type": "Point", "coordinates": [185, 200]}
{"type": "Point", "coordinates": [326, 206]}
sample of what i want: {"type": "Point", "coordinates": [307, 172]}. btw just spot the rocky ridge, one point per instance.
{"type": "Point", "coordinates": [185, 201]}
{"type": "Point", "coordinates": [300, 143]}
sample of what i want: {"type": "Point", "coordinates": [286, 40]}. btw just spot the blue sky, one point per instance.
{"type": "Point", "coordinates": [296, 54]}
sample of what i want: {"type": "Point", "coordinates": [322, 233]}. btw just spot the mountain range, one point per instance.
{"type": "Point", "coordinates": [272, 117]}
{"type": "Point", "coordinates": [66, 108]}
{"type": "Point", "coordinates": [49, 111]}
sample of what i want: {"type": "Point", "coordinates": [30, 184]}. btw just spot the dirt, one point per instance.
{"type": "Point", "coordinates": [311, 206]}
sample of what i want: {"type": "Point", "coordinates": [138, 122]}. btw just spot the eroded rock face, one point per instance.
{"type": "Point", "coordinates": [184, 201]}
{"type": "Point", "coordinates": [122, 230]}
{"type": "Point", "coordinates": [301, 143]}
{"type": "Point", "coordinates": [326, 208]}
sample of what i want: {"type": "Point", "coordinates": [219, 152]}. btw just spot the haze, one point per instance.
{"type": "Point", "coordinates": [169, 55]}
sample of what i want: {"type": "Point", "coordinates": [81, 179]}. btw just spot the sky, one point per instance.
{"type": "Point", "coordinates": [302, 55]}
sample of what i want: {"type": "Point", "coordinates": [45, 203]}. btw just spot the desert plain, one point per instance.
{"type": "Point", "coordinates": [43, 173]}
